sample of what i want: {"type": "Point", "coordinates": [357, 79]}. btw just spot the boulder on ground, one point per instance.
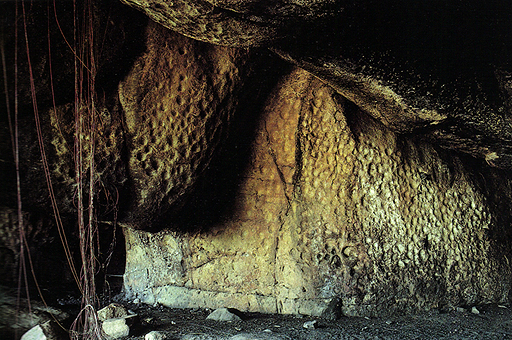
{"type": "Point", "coordinates": [224, 314]}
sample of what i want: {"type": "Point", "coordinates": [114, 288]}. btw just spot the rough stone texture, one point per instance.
{"type": "Point", "coordinates": [49, 330]}
{"type": "Point", "coordinates": [452, 118]}
{"type": "Point", "coordinates": [232, 23]}
{"type": "Point", "coordinates": [333, 210]}
{"type": "Point", "coordinates": [150, 147]}
{"type": "Point", "coordinates": [201, 20]}
{"type": "Point", "coordinates": [112, 311]}
{"type": "Point", "coordinates": [375, 97]}
{"type": "Point", "coordinates": [155, 335]}
{"type": "Point", "coordinates": [333, 205]}
{"type": "Point", "coordinates": [177, 101]}
{"type": "Point", "coordinates": [261, 336]}
{"type": "Point", "coordinates": [223, 314]}
{"type": "Point", "coordinates": [442, 69]}
{"type": "Point", "coordinates": [115, 328]}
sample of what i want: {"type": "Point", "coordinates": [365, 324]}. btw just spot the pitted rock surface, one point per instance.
{"type": "Point", "coordinates": [342, 196]}
{"type": "Point", "coordinates": [439, 69]}
{"type": "Point", "coordinates": [334, 205]}
{"type": "Point", "coordinates": [177, 101]}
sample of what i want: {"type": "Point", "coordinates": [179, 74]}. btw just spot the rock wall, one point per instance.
{"type": "Point", "coordinates": [443, 68]}
{"type": "Point", "coordinates": [177, 102]}
{"type": "Point", "coordinates": [333, 206]}
{"type": "Point", "coordinates": [243, 181]}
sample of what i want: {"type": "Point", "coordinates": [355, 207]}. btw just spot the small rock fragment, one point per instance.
{"type": "Point", "coordinates": [460, 309]}
{"type": "Point", "coordinates": [112, 311]}
{"type": "Point", "coordinates": [254, 336]}
{"type": "Point", "coordinates": [310, 324]}
{"type": "Point", "coordinates": [116, 328]}
{"type": "Point", "coordinates": [155, 335]}
{"type": "Point", "coordinates": [45, 331]}
{"type": "Point", "coordinates": [474, 310]}
{"type": "Point", "coordinates": [333, 310]}
{"type": "Point", "coordinates": [198, 337]}
{"type": "Point", "coordinates": [224, 314]}
{"type": "Point", "coordinates": [35, 333]}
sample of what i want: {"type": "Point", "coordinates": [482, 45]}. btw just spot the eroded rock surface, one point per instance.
{"type": "Point", "coordinates": [177, 101]}
{"type": "Point", "coordinates": [410, 66]}
{"type": "Point", "coordinates": [233, 23]}
{"type": "Point", "coordinates": [334, 205]}
{"type": "Point", "coordinates": [326, 193]}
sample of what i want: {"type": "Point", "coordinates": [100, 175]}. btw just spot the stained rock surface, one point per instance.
{"type": "Point", "coordinates": [333, 204]}
{"type": "Point", "coordinates": [115, 328]}
{"type": "Point", "coordinates": [412, 67]}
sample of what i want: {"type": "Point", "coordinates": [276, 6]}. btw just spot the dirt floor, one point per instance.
{"type": "Point", "coordinates": [480, 322]}
{"type": "Point", "coordinates": [492, 322]}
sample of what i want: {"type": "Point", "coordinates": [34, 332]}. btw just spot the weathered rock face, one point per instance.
{"type": "Point", "coordinates": [443, 69]}
{"type": "Point", "coordinates": [325, 189]}
{"type": "Point", "coordinates": [177, 101]}
{"type": "Point", "coordinates": [156, 130]}
{"type": "Point", "coordinates": [333, 205]}
{"type": "Point", "coordinates": [233, 23]}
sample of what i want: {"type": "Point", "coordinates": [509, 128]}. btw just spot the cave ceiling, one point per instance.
{"type": "Point", "coordinates": [441, 70]}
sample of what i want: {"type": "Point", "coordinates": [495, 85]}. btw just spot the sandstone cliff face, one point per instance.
{"type": "Point", "coordinates": [333, 205]}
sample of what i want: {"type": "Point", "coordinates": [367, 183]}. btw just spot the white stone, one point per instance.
{"type": "Point", "coordinates": [260, 336]}
{"type": "Point", "coordinates": [155, 335]}
{"type": "Point", "coordinates": [116, 328]}
{"type": "Point", "coordinates": [43, 331]}
{"type": "Point", "coordinates": [223, 314]}
{"type": "Point", "coordinates": [198, 337]}
{"type": "Point", "coordinates": [474, 310]}
{"type": "Point", "coordinates": [35, 333]}
{"type": "Point", "coordinates": [310, 324]}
